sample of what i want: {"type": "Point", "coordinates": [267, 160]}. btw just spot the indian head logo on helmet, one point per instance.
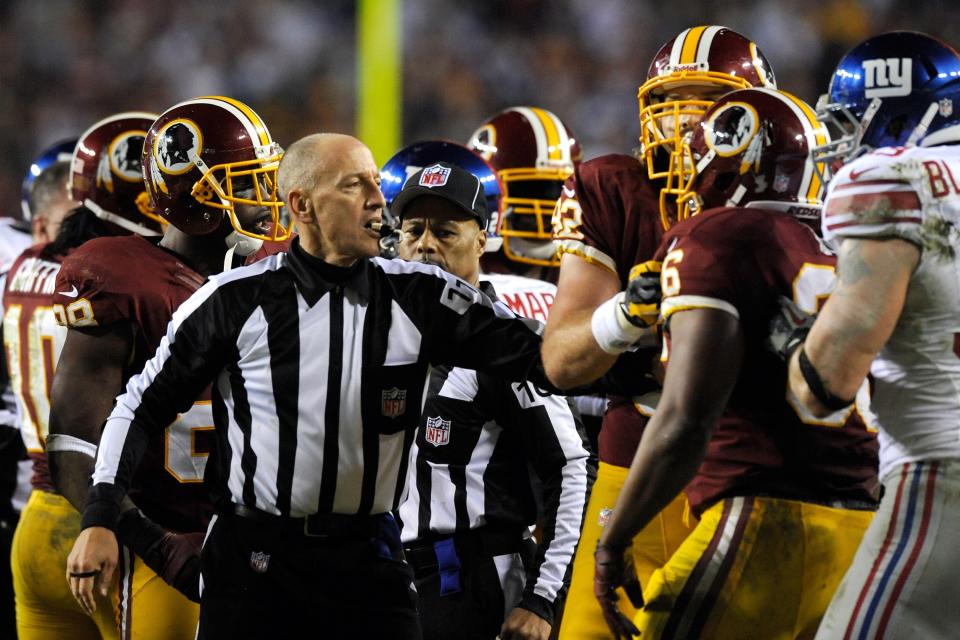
{"type": "Point", "coordinates": [122, 160]}
{"type": "Point", "coordinates": [178, 145]}
{"type": "Point", "coordinates": [732, 128]}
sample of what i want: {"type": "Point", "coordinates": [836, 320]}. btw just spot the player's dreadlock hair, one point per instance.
{"type": "Point", "coordinates": [80, 224]}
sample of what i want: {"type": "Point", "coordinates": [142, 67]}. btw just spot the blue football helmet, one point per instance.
{"type": "Point", "coordinates": [414, 157]}
{"type": "Point", "coordinates": [897, 89]}
{"type": "Point", "coordinates": [59, 152]}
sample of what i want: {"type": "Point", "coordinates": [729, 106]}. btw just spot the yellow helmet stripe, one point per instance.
{"type": "Point", "coordinates": [539, 130]}
{"type": "Point", "coordinates": [703, 49]}
{"type": "Point", "coordinates": [689, 53]}
{"type": "Point", "coordinates": [815, 136]}
{"type": "Point", "coordinates": [819, 138]}
{"type": "Point", "coordinates": [553, 136]}
{"type": "Point", "coordinates": [258, 124]}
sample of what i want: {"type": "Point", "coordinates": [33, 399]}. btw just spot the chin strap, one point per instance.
{"type": "Point", "coordinates": [120, 221]}
{"type": "Point", "coordinates": [228, 258]}
{"type": "Point", "coordinates": [241, 245]}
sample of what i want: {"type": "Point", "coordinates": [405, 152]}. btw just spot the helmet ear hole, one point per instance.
{"type": "Point", "coordinates": [896, 126]}
{"type": "Point", "coordinates": [724, 181]}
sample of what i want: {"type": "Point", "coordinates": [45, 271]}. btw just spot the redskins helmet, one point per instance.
{"type": "Point", "coordinates": [203, 157]}
{"type": "Point", "coordinates": [705, 61]}
{"type": "Point", "coordinates": [106, 175]}
{"type": "Point", "coordinates": [753, 146]}
{"type": "Point", "coordinates": [533, 152]}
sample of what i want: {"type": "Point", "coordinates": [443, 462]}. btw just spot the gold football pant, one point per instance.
{"type": "Point", "coordinates": [150, 609]}
{"type": "Point", "coordinates": [753, 568]}
{"type": "Point", "coordinates": [652, 547]}
{"type": "Point", "coordinates": [46, 609]}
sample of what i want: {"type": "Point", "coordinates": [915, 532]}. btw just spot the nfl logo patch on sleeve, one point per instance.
{"type": "Point", "coordinates": [438, 431]}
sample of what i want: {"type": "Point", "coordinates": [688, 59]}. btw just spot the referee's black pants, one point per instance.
{"type": "Point", "coordinates": [267, 580]}
{"type": "Point", "coordinates": [483, 594]}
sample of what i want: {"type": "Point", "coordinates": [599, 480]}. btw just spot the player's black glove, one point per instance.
{"type": "Point", "coordinates": [175, 557]}
{"type": "Point", "coordinates": [613, 567]}
{"type": "Point", "coordinates": [788, 329]}
{"type": "Point", "coordinates": [641, 305]}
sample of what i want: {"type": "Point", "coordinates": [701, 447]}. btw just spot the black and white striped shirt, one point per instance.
{"type": "Point", "coordinates": [318, 377]}
{"type": "Point", "coordinates": [480, 438]}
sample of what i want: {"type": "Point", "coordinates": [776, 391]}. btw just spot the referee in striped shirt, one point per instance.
{"type": "Point", "coordinates": [319, 358]}
{"type": "Point", "coordinates": [472, 503]}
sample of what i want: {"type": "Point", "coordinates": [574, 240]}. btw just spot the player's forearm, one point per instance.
{"type": "Point", "coordinates": [571, 355]}
{"type": "Point", "coordinates": [666, 461]}
{"type": "Point", "coordinates": [856, 321]}
{"type": "Point", "coordinates": [70, 472]}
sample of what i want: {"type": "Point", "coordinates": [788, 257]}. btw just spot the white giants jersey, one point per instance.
{"type": "Point", "coordinates": [527, 297]}
{"type": "Point", "coordinates": [912, 194]}
{"type": "Point", "coordinates": [532, 298]}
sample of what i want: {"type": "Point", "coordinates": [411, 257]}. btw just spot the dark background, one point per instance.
{"type": "Point", "coordinates": [66, 63]}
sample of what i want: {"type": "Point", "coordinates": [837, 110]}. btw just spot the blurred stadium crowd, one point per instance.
{"type": "Point", "coordinates": [68, 63]}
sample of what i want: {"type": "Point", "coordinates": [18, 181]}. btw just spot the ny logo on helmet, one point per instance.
{"type": "Point", "coordinates": [887, 77]}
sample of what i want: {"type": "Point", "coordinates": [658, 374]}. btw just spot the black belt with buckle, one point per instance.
{"type": "Point", "coordinates": [317, 525]}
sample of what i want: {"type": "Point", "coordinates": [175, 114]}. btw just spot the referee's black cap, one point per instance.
{"type": "Point", "coordinates": [446, 181]}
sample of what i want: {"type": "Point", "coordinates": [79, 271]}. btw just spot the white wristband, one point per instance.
{"type": "Point", "coordinates": [612, 331]}
{"type": "Point", "coordinates": [63, 442]}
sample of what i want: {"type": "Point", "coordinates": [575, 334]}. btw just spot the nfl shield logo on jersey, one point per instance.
{"type": "Point", "coordinates": [393, 402]}
{"type": "Point", "coordinates": [435, 176]}
{"type": "Point", "coordinates": [438, 431]}
{"type": "Point", "coordinates": [259, 561]}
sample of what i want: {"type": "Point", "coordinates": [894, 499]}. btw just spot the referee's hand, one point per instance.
{"type": "Point", "coordinates": [91, 564]}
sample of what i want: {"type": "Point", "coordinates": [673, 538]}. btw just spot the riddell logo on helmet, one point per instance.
{"type": "Point", "coordinates": [679, 68]}
{"type": "Point", "coordinates": [888, 77]}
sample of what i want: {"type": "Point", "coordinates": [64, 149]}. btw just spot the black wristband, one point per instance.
{"type": "Point", "coordinates": [138, 533]}
{"type": "Point", "coordinates": [816, 386]}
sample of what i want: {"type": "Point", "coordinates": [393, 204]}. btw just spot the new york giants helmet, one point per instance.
{"type": "Point", "coordinates": [60, 152]}
{"type": "Point", "coordinates": [896, 89]}
{"type": "Point", "coordinates": [412, 158]}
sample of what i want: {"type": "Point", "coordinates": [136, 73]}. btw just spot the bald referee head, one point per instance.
{"type": "Point", "coordinates": [331, 186]}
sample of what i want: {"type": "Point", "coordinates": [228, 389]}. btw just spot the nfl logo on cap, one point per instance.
{"type": "Point", "coordinates": [434, 176]}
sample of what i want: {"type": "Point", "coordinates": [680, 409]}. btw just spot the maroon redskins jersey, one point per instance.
{"type": "Point", "coordinates": [32, 340]}
{"type": "Point", "coordinates": [742, 261]}
{"type": "Point", "coordinates": [131, 279]}
{"type": "Point", "coordinates": [608, 214]}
